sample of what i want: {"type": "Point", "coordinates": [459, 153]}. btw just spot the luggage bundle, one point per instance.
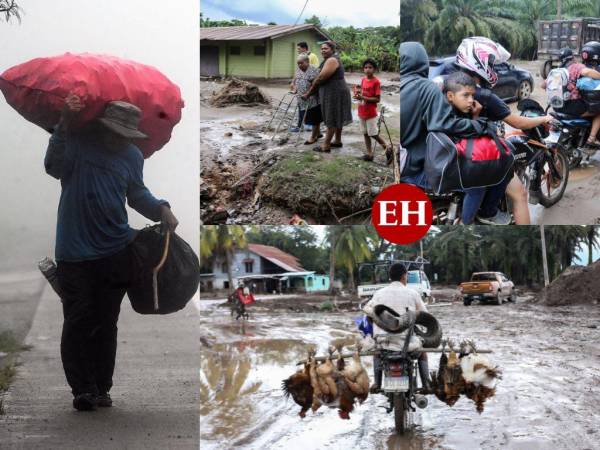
{"type": "Point", "coordinates": [165, 272]}
{"type": "Point", "coordinates": [37, 90]}
{"type": "Point", "coordinates": [482, 161]}
{"type": "Point", "coordinates": [589, 88]}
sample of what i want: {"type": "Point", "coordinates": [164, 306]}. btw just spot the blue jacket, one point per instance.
{"type": "Point", "coordinates": [92, 218]}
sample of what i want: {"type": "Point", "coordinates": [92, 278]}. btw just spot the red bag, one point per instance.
{"type": "Point", "coordinates": [482, 161]}
{"type": "Point", "coordinates": [245, 299]}
{"type": "Point", "coordinates": [37, 89]}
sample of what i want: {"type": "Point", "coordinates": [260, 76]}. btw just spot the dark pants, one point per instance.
{"type": "Point", "coordinates": [92, 294]}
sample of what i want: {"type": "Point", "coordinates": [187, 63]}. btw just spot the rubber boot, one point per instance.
{"type": "Point", "coordinates": [377, 376]}
{"type": "Point", "coordinates": [424, 374]}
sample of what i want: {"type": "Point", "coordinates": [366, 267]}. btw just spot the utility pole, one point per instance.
{"type": "Point", "coordinates": [558, 9]}
{"type": "Point", "coordinates": [544, 256]}
{"type": "Point", "coordinates": [421, 245]}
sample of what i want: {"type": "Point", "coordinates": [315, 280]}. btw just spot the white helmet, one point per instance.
{"type": "Point", "coordinates": [478, 55]}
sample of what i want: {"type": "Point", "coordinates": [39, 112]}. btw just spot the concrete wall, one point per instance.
{"type": "Point", "coordinates": [237, 267]}
{"type": "Point", "coordinates": [319, 283]}
{"type": "Point", "coordinates": [279, 60]}
{"type": "Point", "coordinates": [284, 53]}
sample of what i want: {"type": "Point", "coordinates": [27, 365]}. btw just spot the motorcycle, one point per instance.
{"type": "Point", "coordinates": [572, 133]}
{"type": "Point", "coordinates": [541, 163]}
{"type": "Point", "coordinates": [399, 384]}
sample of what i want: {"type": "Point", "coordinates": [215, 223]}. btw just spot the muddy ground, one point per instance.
{"type": "Point", "coordinates": [579, 203]}
{"type": "Point", "coordinates": [547, 399]}
{"type": "Point", "coordinates": [234, 142]}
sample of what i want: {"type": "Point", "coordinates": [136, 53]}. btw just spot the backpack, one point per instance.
{"type": "Point", "coordinates": [482, 161]}
{"type": "Point", "coordinates": [556, 87]}
{"type": "Point", "coordinates": [589, 88]}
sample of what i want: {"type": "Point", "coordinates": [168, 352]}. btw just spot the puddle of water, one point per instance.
{"type": "Point", "coordinates": [547, 383]}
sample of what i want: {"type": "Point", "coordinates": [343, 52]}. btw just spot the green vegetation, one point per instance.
{"type": "Point", "coordinates": [442, 24]}
{"type": "Point", "coordinates": [218, 242]}
{"type": "Point", "coordinates": [323, 185]}
{"type": "Point", "coordinates": [9, 347]}
{"type": "Point", "coordinates": [456, 252]}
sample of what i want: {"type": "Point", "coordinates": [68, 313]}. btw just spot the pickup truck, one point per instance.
{"type": "Point", "coordinates": [488, 286]}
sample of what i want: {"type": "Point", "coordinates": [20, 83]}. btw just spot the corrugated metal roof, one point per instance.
{"type": "Point", "coordinates": [278, 257]}
{"type": "Point", "coordinates": [246, 33]}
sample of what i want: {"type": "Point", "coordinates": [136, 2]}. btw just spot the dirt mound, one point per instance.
{"type": "Point", "coordinates": [576, 285]}
{"type": "Point", "coordinates": [238, 92]}
{"type": "Point", "coordinates": [323, 186]}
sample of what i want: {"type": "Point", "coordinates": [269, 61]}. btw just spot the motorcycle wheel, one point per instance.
{"type": "Point", "coordinates": [400, 413]}
{"type": "Point", "coordinates": [550, 192]}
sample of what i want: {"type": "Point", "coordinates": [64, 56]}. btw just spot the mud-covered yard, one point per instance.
{"type": "Point", "coordinates": [548, 397]}
{"type": "Point", "coordinates": [251, 175]}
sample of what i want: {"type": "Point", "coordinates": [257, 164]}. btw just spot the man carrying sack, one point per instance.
{"type": "Point", "coordinates": [100, 169]}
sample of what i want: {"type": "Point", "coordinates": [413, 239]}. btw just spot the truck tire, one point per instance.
{"type": "Point", "coordinates": [467, 301]}
{"type": "Point", "coordinates": [545, 68]}
{"type": "Point", "coordinates": [432, 336]}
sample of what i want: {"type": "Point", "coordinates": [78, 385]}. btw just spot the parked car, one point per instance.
{"type": "Point", "coordinates": [488, 287]}
{"type": "Point", "coordinates": [513, 83]}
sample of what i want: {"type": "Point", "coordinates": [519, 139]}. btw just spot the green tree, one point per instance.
{"type": "Point", "coordinates": [218, 244]}
{"type": "Point", "coordinates": [314, 20]}
{"type": "Point", "coordinates": [206, 23]}
{"type": "Point", "coordinates": [592, 241]}
{"type": "Point", "coordinates": [348, 246]}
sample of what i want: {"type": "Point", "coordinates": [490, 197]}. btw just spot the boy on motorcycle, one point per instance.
{"type": "Point", "coordinates": [425, 109]}
{"type": "Point", "coordinates": [460, 90]}
{"type": "Point", "coordinates": [575, 106]}
{"type": "Point", "coordinates": [397, 297]}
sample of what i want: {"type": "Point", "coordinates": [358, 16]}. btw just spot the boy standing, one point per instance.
{"type": "Point", "coordinates": [369, 95]}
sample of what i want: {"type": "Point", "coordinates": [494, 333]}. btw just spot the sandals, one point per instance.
{"type": "Point", "coordinates": [321, 150]}
{"type": "Point", "coordinates": [591, 142]}
{"type": "Point", "coordinates": [337, 144]}
{"type": "Point", "coordinates": [367, 158]}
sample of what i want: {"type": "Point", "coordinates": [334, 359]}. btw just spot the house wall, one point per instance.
{"type": "Point", "coordinates": [317, 283]}
{"type": "Point", "coordinates": [283, 55]}
{"type": "Point", "coordinates": [246, 64]}
{"type": "Point", "coordinates": [279, 60]}
{"type": "Point", "coordinates": [238, 268]}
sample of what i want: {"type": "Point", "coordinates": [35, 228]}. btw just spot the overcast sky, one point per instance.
{"type": "Point", "coordinates": [334, 12]}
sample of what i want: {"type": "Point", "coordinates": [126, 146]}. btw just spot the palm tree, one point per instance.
{"type": "Point", "coordinates": [592, 241]}
{"type": "Point", "coordinates": [458, 19]}
{"type": "Point", "coordinates": [10, 8]}
{"type": "Point", "coordinates": [348, 246]}
{"type": "Point", "coordinates": [219, 242]}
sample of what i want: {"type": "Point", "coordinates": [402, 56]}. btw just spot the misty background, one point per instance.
{"type": "Point", "coordinates": [142, 30]}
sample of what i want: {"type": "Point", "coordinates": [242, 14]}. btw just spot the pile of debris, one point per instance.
{"type": "Point", "coordinates": [576, 285]}
{"type": "Point", "coordinates": [238, 92]}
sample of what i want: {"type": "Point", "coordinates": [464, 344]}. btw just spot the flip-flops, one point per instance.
{"type": "Point", "coordinates": [321, 150]}
{"type": "Point", "coordinates": [337, 144]}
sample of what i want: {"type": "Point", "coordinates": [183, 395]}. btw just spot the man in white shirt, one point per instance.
{"type": "Point", "coordinates": [399, 298]}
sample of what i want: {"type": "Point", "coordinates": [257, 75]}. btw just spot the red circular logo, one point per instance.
{"type": "Point", "coordinates": [402, 213]}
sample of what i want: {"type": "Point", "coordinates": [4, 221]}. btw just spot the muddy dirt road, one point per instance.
{"type": "Point", "coordinates": [578, 204]}
{"type": "Point", "coordinates": [548, 398]}
{"type": "Point", "coordinates": [234, 141]}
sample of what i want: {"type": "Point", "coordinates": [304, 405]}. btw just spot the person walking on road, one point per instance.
{"type": "Point", "coordinates": [100, 169]}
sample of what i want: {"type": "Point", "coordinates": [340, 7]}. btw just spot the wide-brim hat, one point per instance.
{"type": "Point", "coordinates": [123, 118]}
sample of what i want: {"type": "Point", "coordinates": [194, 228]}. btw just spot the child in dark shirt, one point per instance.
{"type": "Point", "coordinates": [460, 90]}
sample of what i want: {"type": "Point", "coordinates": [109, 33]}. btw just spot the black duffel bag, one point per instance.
{"type": "Point", "coordinates": [592, 100]}
{"type": "Point", "coordinates": [482, 161]}
{"type": "Point", "coordinates": [165, 272]}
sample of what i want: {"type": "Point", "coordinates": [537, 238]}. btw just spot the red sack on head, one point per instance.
{"type": "Point", "coordinates": [37, 90]}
